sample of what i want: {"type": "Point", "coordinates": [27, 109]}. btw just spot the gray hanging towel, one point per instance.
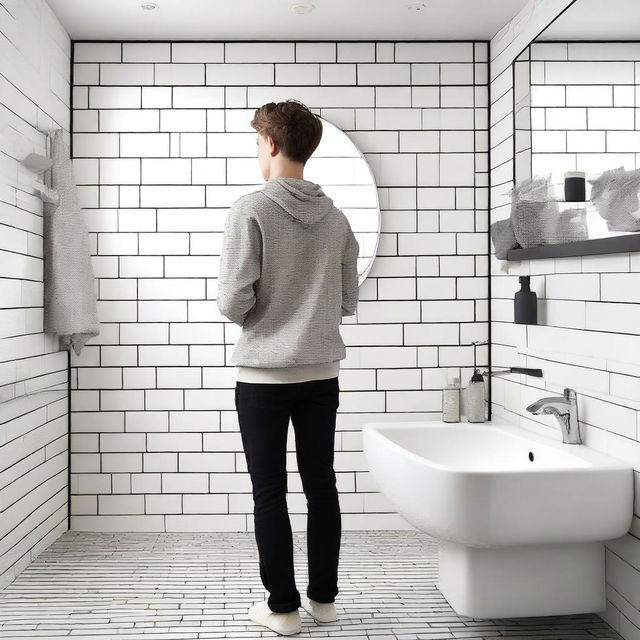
{"type": "Point", "coordinates": [69, 295]}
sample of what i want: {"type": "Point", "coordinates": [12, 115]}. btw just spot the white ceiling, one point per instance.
{"type": "Point", "coordinates": [597, 20]}
{"type": "Point", "coordinates": [274, 20]}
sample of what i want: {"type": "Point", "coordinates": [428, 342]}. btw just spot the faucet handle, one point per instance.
{"type": "Point", "coordinates": [570, 394]}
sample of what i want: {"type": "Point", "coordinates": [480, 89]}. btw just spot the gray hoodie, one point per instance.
{"type": "Point", "coordinates": [288, 273]}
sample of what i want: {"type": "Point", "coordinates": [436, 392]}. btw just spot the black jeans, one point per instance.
{"type": "Point", "coordinates": [264, 410]}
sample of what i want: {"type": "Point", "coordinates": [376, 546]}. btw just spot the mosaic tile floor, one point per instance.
{"type": "Point", "coordinates": [179, 586]}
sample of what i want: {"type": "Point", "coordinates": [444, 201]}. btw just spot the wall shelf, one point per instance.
{"type": "Point", "coordinates": [615, 244]}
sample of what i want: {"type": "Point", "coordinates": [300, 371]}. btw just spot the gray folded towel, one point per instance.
{"type": "Point", "coordinates": [533, 212]}
{"type": "Point", "coordinates": [536, 218]}
{"type": "Point", "coordinates": [503, 238]}
{"type": "Point", "coordinates": [615, 195]}
{"type": "Point", "coordinates": [69, 295]}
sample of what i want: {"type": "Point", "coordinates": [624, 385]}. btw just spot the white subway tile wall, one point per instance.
{"type": "Point", "coordinates": [163, 149]}
{"type": "Point", "coordinates": [587, 336]}
{"type": "Point", "coordinates": [34, 449]}
{"type": "Point", "coordinates": [584, 103]}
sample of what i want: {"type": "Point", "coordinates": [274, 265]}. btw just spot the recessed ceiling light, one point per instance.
{"type": "Point", "coordinates": [149, 6]}
{"type": "Point", "coordinates": [416, 6]}
{"type": "Point", "coordinates": [302, 7]}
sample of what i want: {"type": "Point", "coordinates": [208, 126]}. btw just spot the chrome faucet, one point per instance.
{"type": "Point", "coordinates": [565, 409]}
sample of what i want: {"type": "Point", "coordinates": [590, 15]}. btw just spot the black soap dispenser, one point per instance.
{"type": "Point", "coordinates": [525, 304]}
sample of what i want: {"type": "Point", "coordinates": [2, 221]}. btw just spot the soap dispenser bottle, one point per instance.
{"type": "Point", "coordinates": [474, 398]}
{"type": "Point", "coordinates": [525, 304]}
{"type": "Point", "coordinates": [451, 398]}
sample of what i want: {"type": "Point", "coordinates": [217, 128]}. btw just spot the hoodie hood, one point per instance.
{"type": "Point", "coordinates": [303, 200]}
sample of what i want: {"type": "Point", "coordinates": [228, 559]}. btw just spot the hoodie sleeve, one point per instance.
{"type": "Point", "coordinates": [350, 275]}
{"type": "Point", "coordinates": [240, 264]}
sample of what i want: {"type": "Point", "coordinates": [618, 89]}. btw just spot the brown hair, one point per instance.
{"type": "Point", "coordinates": [294, 128]}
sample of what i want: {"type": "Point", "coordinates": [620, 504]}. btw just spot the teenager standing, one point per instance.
{"type": "Point", "coordinates": [288, 274]}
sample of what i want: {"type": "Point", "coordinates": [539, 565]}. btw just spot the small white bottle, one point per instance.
{"type": "Point", "coordinates": [451, 398]}
{"type": "Point", "coordinates": [474, 398]}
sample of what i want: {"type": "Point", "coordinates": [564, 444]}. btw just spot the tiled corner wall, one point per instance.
{"type": "Point", "coordinates": [587, 337]}
{"type": "Point", "coordinates": [162, 147]}
{"type": "Point", "coordinates": [34, 94]}
{"type": "Point", "coordinates": [584, 102]}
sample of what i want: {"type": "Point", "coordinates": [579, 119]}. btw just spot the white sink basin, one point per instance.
{"type": "Point", "coordinates": [532, 504]}
{"type": "Point", "coordinates": [476, 483]}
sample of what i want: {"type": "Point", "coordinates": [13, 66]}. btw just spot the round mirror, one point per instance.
{"type": "Point", "coordinates": [345, 176]}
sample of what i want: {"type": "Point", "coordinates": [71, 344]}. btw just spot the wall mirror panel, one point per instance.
{"type": "Point", "coordinates": [340, 168]}
{"type": "Point", "coordinates": [577, 112]}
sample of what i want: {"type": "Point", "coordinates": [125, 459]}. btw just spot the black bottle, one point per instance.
{"type": "Point", "coordinates": [525, 304]}
{"type": "Point", "coordinates": [574, 186]}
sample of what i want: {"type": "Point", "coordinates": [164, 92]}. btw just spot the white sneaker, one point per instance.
{"type": "Point", "coordinates": [321, 611]}
{"type": "Point", "coordinates": [286, 624]}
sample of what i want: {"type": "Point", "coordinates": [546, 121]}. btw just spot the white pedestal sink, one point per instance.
{"type": "Point", "coordinates": [521, 519]}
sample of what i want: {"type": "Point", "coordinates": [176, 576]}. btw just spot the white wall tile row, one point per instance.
{"type": "Point", "coordinates": [162, 147]}
{"type": "Point", "coordinates": [34, 94]}
{"type": "Point", "coordinates": [588, 332]}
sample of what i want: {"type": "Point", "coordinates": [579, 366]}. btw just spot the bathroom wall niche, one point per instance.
{"type": "Point", "coordinates": [576, 89]}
